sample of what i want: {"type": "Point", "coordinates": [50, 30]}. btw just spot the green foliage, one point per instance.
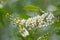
{"type": "Point", "coordinates": [57, 5]}
{"type": "Point", "coordinates": [24, 16]}
{"type": "Point", "coordinates": [31, 8]}
{"type": "Point", "coordinates": [2, 16]}
{"type": "Point", "coordinates": [56, 23]}
{"type": "Point", "coordinates": [58, 31]}
{"type": "Point", "coordinates": [57, 12]}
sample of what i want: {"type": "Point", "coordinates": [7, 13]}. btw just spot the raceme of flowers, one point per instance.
{"type": "Point", "coordinates": [37, 21]}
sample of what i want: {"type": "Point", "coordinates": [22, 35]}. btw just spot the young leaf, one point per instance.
{"type": "Point", "coordinates": [31, 8]}
{"type": "Point", "coordinates": [24, 16]}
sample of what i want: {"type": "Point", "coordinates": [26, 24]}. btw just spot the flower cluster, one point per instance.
{"type": "Point", "coordinates": [37, 21]}
{"type": "Point", "coordinates": [40, 21]}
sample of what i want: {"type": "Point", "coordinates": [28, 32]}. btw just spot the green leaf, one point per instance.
{"type": "Point", "coordinates": [57, 5]}
{"type": "Point", "coordinates": [56, 23]}
{"type": "Point", "coordinates": [31, 8]}
{"type": "Point", "coordinates": [2, 16]}
{"type": "Point", "coordinates": [24, 16]}
{"type": "Point", "coordinates": [58, 31]}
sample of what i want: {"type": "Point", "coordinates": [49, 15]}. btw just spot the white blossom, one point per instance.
{"type": "Point", "coordinates": [16, 21]}
{"type": "Point", "coordinates": [22, 22]}
{"type": "Point", "coordinates": [50, 17]}
{"type": "Point", "coordinates": [30, 22]}
{"type": "Point", "coordinates": [43, 16]}
{"type": "Point", "coordinates": [40, 21]}
{"type": "Point", "coordinates": [42, 24]}
{"type": "Point", "coordinates": [37, 21]}
{"type": "Point", "coordinates": [23, 32]}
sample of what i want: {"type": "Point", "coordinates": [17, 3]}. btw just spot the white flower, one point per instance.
{"type": "Point", "coordinates": [16, 21]}
{"type": "Point", "coordinates": [30, 22]}
{"type": "Point", "coordinates": [24, 32]}
{"type": "Point", "coordinates": [42, 24]}
{"type": "Point", "coordinates": [43, 16]}
{"type": "Point", "coordinates": [23, 22]}
{"type": "Point", "coordinates": [50, 17]}
{"type": "Point", "coordinates": [1, 6]}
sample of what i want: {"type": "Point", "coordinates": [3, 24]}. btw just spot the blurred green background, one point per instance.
{"type": "Point", "coordinates": [8, 31]}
